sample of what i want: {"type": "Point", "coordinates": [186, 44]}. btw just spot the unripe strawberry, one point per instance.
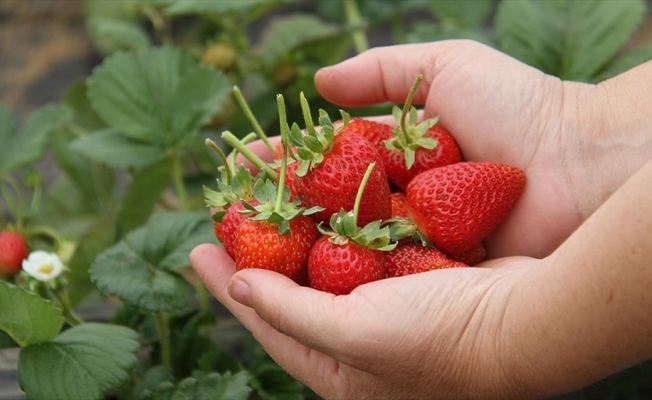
{"type": "Point", "coordinates": [220, 55]}
{"type": "Point", "coordinates": [13, 250]}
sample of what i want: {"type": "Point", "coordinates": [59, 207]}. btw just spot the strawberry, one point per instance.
{"type": "Point", "coordinates": [348, 256]}
{"type": "Point", "coordinates": [399, 200]}
{"type": "Point", "coordinates": [13, 250]}
{"type": "Point", "coordinates": [277, 235]}
{"type": "Point", "coordinates": [475, 255]}
{"type": "Point", "coordinates": [411, 259]}
{"type": "Point", "coordinates": [260, 244]}
{"type": "Point", "coordinates": [413, 147]}
{"type": "Point", "coordinates": [458, 205]}
{"type": "Point", "coordinates": [227, 227]}
{"type": "Point", "coordinates": [332, 165]}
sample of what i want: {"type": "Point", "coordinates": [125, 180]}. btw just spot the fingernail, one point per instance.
{"type": "Point", "coordinates": [240, 291]}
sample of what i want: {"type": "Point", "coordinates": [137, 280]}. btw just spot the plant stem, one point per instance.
{"type": "Point", "coordinates": [177, 180]}
{"type": "Point", "coordinates": [66, 309]}
{"type": "Point", "coordinates": [282, 117]}
{"type": "Point", "coordinates": [44, 230]}
{"type": "Point", "coordinates": [159, 23]}
{"type": "Point", "coordinates": [228, 171]}
{"type": "Point", "coordinates": [14, 206]}
{"type": "Point", "coordinates": [249, 155]}
{"type": "Point", "coordinates": [406, 108]}
{"type": "Point", "coordinates": [164, 335]}
{"type": "Point", "coordinates": [252, 119]}
{"type": "Point", "coordinates": [353, 18]}
{"type": "Point", "coordinates": [358, 196]}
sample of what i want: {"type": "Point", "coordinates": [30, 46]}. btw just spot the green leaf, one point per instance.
{"type": "Point", "coordinates": [111, 34]}
{"type": "Point", "coordinates": [189, 341]}
{"type": "Point", "coordinates": [76, 98]}
{"type": "Point", "coordinates": [96, 182]}
{"type": "Point", "coordinates": [97, 239]}
{"type": "Point", "coordinates": [569, 39]}
{"type": "Point", "coordinates": [20, 149]}
{"type": "Point", "coordinates": [6, 342]}
{"type": "Point", "coordinates": [159, 96]}
{"type": "Point", "coordinates": [270, 382]}
{"type": "Point", "coordinates": [85, 362]}
{"type": "Point", "coordinates": [138, 269]}
{"type": "Point", "coordinates": [625, 62]}
{"type": "Point", "coordinates": [293, 31]}
{"type": "Point", "coordinates": [142, 194]}
{"type": "Point", "coordinates": [120, 271]}
{"type": "Point", "coordinates": [26, 317]}
{"type": "Point", "coordinates": [210, 386]}
{"type": "Point", "coordinates": [114, 149]}
{"type": "Point", "coordinates": [463, 13]}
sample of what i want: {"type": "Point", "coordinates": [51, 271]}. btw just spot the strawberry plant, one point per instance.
{"type": "Point", "coordinates": [105, 189]}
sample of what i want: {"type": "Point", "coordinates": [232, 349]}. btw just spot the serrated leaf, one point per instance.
{"type": "Point", "coordinates": [160, 96]}
{"type": "Point", "coordinates": [19, 149]}
{"type": "Point", "coordinates": [112, 148]}
{"type": "Point", "coordinates": [210, 386]}
{"type": "Point", "coordinates": [27, 318]}
{"type": "Point", "coordinates": [287, 34]}
{"type": "Point", "coordinates": [85, 362]}
{"type": "Point", "coordinates": [76, 98]}
{"type": "Point", "coordinates": [179, 257]}
{"type": "Point", "coordinates": [166, 231]}
{"type": "Point", "coordinates": [464, 13]}
{"type": "Point", "coordinates": [569, 39]}
{"type": "Point", "coordinates": [142, 194]}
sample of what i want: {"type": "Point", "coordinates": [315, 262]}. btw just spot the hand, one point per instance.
{"type": "Point", "coordinates": [432, 335]}
{"type": "Point", "coordinates": [499, 109]}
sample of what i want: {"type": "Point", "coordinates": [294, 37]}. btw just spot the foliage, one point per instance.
{"type": "Point", "coordinates": [126, 206]}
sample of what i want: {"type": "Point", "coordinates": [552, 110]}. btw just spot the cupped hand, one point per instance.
{"type": "Point", "coordinates": [497, 108]}
{"type": "Point", "coordinates": [430, 335]}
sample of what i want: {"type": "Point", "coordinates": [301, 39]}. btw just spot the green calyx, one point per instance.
{"type": "Point", "coordinates": [311, 146]}
{"type": "Point", "coordinates": [240, 187]}
{"type": "Point", "coordinates": [409, 136]}
{"type": "Point", "coordinates": [344, 225]}
{"type": "Point", "coordinates": [275, 201]}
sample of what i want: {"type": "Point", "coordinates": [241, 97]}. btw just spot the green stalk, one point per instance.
{"type": "Point", "coordinates": [358, 196]}
{"type": "Point", "coordinates": [249, 155]}
{"type": "Point", "coordinates": [164, 335]}
{"type": "Point", "coordinates": [406, 108]}
{"type": "Point", "coordinates": [159, 23]}
{"type": "Point", "coordinates": [252, 119]}
{"type": "Point", "coordinates": [177, 181]}
{"type": "Point", "coordinates": [223, 158]}
{"type": "Point", "coordinates": [353, 18]}
{"type": "Point", "coordinates": [66, 309]}
{"type": "Point", "coordinates": [284, 161]}
{"type": "Point", "coordinates": [14, 206]}
{"type": "Point", "coordinates": [46, 231]}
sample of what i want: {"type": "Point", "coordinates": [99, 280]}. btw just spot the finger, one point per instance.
{"type": "Point", "coordinates": [317, 319]}
{"type": "Point", "coordinates": [381, 74]}
{"type": "Point", "coordinates": [315, 369]}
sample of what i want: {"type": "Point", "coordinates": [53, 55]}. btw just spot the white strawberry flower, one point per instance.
{"type": "Point", "coordinates": [43, 266]}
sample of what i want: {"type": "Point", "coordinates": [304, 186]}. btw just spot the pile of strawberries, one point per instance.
{"type": "Point", "coordinates": [355, 201]}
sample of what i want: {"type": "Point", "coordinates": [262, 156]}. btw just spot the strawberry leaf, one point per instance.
{"type": "Point", "coordinates": [206, 386]}
{"type": "Point", "coordinates": [158, 96]}
{"type": "Point", "coordinates": [92, 360]}
{"type": "Point", "coordinates": [26, 317]}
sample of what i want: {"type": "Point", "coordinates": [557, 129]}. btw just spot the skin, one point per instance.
{"type": "Point", "coordinates": [564, 300]}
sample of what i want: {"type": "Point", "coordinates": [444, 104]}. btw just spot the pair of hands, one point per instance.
{"type": "Point", "coordinates": [449, 333]}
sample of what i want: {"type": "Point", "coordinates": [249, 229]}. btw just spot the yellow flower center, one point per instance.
{"type": "Point", "coordinates": [46, 269]}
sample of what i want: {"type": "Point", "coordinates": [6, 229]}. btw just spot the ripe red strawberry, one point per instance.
{"type": "Point", "coordinates": [227, 228]}
{"type": "Point", "coordinates": [411, 259]}
{"type": "Point", "coordinates": [458, 205]}
{"type": "Point", "coordinates": [260, 244]}
{"type": "Point", "coordinates": [473, 256]}
{"type": "Point", "coordinates": [13, 250]}
{"type": "Point", "coordinates": [333, 162]}
{"type": "Point", "coordinates": [399, 200]}
{"type": "Point", "coordinates": [373, 131]}
{"type": "Point", "coordinates": [338, 268]}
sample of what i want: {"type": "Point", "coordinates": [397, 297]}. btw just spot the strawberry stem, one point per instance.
{"type": "Point", "coordinates": [252, 119]}
{"type": "Point", "coordinates": [358, 196]}
{"type": "Point", "coordinates": [249, 155]}
{"type": "Point", "coordinates": [406, 108]}
{"type": "Point", "coordinates": [285, 129]}
{"type": "Point", "coordinates": [307, 117]}
{"type": "Point", "coordinates": [223, 158]}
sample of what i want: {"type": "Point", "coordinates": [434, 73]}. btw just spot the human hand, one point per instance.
{"type": "Point", "coordinates": [420, 336]}
{"type": "Point", "coordinates": [502, 110]}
